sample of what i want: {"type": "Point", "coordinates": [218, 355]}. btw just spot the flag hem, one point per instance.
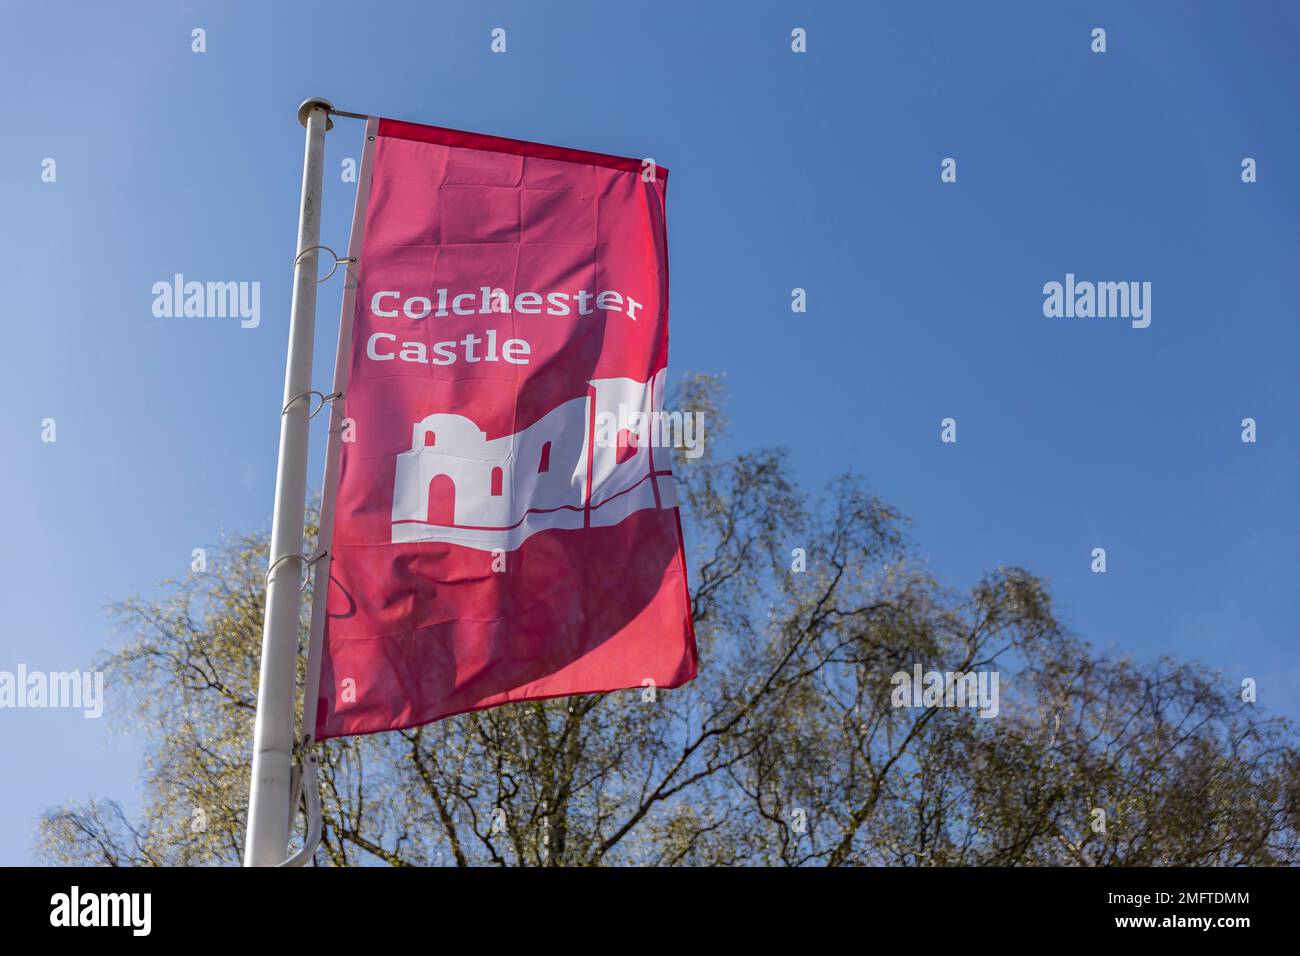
{"type": "Point", "coordinates": [443, 136]}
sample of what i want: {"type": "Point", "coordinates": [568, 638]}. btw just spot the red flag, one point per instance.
{"type": "Point", "coordinates": [506, 526]}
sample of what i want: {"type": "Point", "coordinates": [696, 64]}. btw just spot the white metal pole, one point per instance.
{"type": "Point", "coordinates": [269, 813]}
{"type": "Point", "coordinates": [329, 495]}
{"type": "Point", "coordinates": [329, 483]}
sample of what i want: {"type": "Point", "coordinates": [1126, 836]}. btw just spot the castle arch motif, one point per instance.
{"type": "Point", "coordinates": [456, 485]}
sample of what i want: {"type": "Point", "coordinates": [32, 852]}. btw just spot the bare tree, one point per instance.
{"type": "Point", "coordinates": [789, 748]}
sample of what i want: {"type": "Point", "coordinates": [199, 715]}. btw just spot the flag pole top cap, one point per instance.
{"type": "Point", "coordinates": [308, 105]}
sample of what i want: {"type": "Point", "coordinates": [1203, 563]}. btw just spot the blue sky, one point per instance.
{"type": "Point", "coordinates": [818, 170]}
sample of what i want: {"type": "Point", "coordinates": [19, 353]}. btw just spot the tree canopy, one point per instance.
{"type": "Point", "coordinates": [788, 749]}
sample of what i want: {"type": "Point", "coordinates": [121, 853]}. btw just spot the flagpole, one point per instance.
{"type": "Point", "coordinates": [329, 483]}
{"type": "Point", "coordinates": [269, 812]}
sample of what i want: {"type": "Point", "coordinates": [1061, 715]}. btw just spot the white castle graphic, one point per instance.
{"type": "Point", "coordinates": [456, 485]}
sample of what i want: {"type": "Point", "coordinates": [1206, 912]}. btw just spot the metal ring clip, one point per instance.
{"type": "Point", "coordinates": [337, 260]}
{"type": "Point", "coordinates": [308, 564]}
{"type": "Point", "coordinates": [324, 400]}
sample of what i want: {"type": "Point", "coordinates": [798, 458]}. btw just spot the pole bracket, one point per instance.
{"type": "Point", "coordinates": [306, 785]}
{"type": "Point", "coordinates": [324, 400]}
{"type": "Point", "coordinates": [316, 102]}
{"type": "Point", "coordinates": [338, 261]}
{"type": "Point", "coordinates": [308, 564]}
